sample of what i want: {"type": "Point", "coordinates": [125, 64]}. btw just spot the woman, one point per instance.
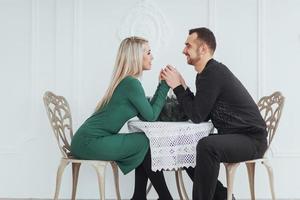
{"type": "Point", "coordinates": [125, 98]}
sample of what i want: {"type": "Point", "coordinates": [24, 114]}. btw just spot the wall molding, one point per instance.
{"type": "Point", "coordinates": [261, 68]}
{"type": "Point", "coordinates": [9, 151]}
{"type": "Point", "coordinates": [212, 15]}
{"type": "Point", "coordinates": [261, 51]}
{"type": "Point", "coordinates": [55, 67]}
{"type": "Point", "coordinates": [286, 154]}
{"type": "Point", "coordinates": [77, 59]}
{"type": "Point", "coordinates": [145, 19]}
{"type": "Point", "coordinates": [276, 153]}
{"type": "Point", "coordinates": [34, 55]}
{"type": "Point", "coordinates": [30, 133]}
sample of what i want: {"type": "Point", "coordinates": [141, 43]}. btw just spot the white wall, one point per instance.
{"type": "Point", "coordinates": [69, 47]}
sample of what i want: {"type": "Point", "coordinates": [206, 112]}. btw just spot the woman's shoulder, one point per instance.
{"type": "Point", "coordinates": [130, 81]}
{"type": "Point", "coordinates": [131, 86]}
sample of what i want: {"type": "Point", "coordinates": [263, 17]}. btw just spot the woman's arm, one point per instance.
{"type": "Point", "coordinates": [148, 111]}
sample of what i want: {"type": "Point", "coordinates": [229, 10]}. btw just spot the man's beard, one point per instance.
{"type": "Point", "coordinates": [191, 61]}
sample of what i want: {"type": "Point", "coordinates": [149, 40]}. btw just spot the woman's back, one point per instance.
{"type": "Point", "coordinates": [127, 101]}
{"type": "Point", "coordinates": [110, 119]}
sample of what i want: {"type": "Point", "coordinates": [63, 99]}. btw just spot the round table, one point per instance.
{"type": "Point", "coordinates": [172, 145]}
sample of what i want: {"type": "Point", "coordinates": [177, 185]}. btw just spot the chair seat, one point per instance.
{"type": "Point", "coordinates": [76, 160]}
{"type": "Point", "coordinates": [249, 161]}
{"type": "Point", "coordinates": [256, 160]}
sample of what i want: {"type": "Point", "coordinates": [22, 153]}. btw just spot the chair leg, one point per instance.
{"type": "Point", "coordinates": [180, 185]}
{"type": "Point", "coordinates": [60, 171]}
{"type": "Point", "coordinates": [100, 169]}
{"type": "Point", "coordinates": [251, 173]}
{"type": "Point", "coordinates": [271, 177]}
{"type": "Point", "coordinates": [230, 172]}
{"type": "Point", "coordinates": [116, 177]}
{"type": "Point", "coordinates": [149, 188]}
{"type": "Point", "coordinates": [75, 173]}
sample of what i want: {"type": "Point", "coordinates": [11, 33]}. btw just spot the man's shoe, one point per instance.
{"type": "Point", "coordinates": [233, 198]}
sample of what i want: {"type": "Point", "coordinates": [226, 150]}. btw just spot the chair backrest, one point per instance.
{"type": "Point", "coordinates": [270, 108]}
{"type": "Point", "coordinates": [60, 118]}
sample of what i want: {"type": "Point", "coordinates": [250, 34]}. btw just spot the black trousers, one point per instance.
{"type": "Point", "coordinates": [220, 191]}
{"type": "Point", "coordinates": [218, 148]}
{"type": "Point", "coordinates": [142, 173]}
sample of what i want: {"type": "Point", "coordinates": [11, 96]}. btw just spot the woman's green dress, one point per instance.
{"type": "Point", "coordinates": [98, 137]}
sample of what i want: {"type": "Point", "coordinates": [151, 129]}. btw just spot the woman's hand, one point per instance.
{"type": "Point", "coordinates": [171, 76]}
{"type": "Point", "coordinates": [160, 78]}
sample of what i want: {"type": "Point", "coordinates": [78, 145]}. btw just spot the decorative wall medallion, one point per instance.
{"type": "Point", "coordinates": [146, 20]}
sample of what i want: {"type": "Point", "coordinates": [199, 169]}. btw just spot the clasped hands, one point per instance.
{"type": "Point", "coordinates": [172, 77]}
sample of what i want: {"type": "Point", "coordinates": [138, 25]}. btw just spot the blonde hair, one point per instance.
{"type": "Point", "coordinates": [129, 62]}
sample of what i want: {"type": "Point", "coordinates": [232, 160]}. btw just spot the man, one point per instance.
{"type": "Point", "coordinates": [221, 98]}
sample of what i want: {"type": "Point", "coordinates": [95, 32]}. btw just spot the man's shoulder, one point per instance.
{"type": "Point", "coordinates": [219, 66]}
{"type": "Point", "coordinates": [215, 68]}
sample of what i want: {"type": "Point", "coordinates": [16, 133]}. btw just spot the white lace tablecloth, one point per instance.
{"type": "Point", "coordinates": [172, 144]}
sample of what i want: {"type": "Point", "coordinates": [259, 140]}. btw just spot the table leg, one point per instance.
{"type": "Point", "coordinates": [180, 185]}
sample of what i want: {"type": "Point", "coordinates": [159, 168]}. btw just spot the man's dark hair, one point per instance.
{"type": "Point", "coordinates": [205, 35]}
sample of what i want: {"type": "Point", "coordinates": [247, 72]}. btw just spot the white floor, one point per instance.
{"type": "Point", "coordinates": [113, 199]}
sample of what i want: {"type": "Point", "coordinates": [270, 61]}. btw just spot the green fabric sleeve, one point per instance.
{"type": "Point", "coordinates": [147, 111]}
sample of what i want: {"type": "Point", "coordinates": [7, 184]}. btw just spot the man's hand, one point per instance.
{"type": "Point", "coordinates": [172, 77]}
{"type": "Point", "coordinates": [182, 81]}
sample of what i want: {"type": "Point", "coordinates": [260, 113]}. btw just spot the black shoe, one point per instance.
{"type": "Point", "coordinates": [233, 198]}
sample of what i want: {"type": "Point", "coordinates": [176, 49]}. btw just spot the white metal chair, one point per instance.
{"type": "Point", "coordinates": [270, 108]}
{"type": "Point", "coordinates": [59, 115]}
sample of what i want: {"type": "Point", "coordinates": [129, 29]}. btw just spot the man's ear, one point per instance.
{"type": "Point", "coordinates": [202, 49]}
{"type": "Point", "coordinates": [205, 48]}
